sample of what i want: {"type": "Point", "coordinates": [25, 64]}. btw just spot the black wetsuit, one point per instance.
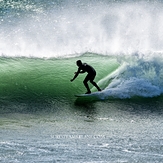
{"type": "Point", "coordinates": [89, 69]}
{"type": "Point", "coordinates": [90, 76]}
{"type": "Point", "coordinates": [84, 67]}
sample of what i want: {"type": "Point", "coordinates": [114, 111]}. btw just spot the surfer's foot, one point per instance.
{"type": "Point", "coordinates": [88, 92]}
{"type": "Point", "coordinates": [99, 89]}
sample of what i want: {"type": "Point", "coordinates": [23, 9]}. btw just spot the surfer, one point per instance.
{"type": "Point", "coordinates": [82, 68]}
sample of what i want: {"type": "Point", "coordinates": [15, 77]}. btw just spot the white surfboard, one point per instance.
{"type": "Point", "coordinates": [94, 94]}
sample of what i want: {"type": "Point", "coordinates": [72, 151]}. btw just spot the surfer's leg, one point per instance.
{"type": "Point", "coordinates": [86, 84]}
{"type": "Point", "coordinates": [94, 83]}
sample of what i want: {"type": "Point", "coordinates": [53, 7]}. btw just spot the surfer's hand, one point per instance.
{"type": "Point", "coordinates": [71, 80]}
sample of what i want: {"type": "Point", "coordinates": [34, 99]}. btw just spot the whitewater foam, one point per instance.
{"type": "Point", "coordinates": [99, 27]}
{"type": "Point", "coordinates": [132, 88]}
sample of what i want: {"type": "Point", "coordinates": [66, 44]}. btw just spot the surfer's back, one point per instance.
{"type": "Point", "coordinates": [88, 68]}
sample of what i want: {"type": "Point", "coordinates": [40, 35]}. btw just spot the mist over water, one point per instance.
{"type": "Point", "coordinates": [65, 28]}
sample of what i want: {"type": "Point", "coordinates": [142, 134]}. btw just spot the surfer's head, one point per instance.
{"type": "Point", "coordinates": [79, 63]}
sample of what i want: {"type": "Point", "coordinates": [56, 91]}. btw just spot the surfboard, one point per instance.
{"type": "Point", "coordinates": [94, 94]}
{"type": "Point", "coordinates": [87, 98]}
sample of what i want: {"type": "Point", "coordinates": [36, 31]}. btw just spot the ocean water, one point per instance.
{"type": "Point", "coordinates": [40, 118]}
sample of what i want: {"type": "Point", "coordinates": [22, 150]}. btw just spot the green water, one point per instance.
{"type": "Point", "coordinates": [34, 79]}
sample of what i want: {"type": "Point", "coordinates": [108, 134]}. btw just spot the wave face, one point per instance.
{"type": "Point", "coordinates": [40, 42]}
{"type": "Point", "coordinates": [44, 79]}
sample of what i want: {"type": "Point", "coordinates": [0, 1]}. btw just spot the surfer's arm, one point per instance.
{"type": "Point", "coordinates": [76, 74]}
{"type": "Point", "coordinates": [81, 72]}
